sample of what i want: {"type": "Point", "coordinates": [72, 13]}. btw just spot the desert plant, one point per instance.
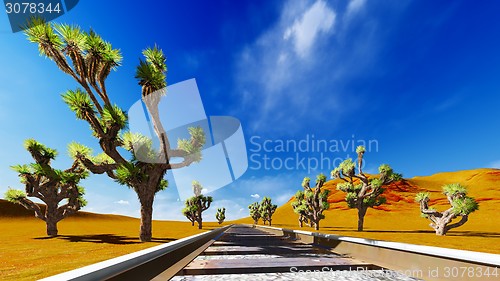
{"type": "Point", "coordinates": [363, 192]}
{"type": "Point", "coordinates": [299, 206]}
{"type": "Point", "coordinates": [220, 215]}
{"type": "Point", "coordinates": [461, 206]}
{"type": "Point", "coordinates": [50, 185]}
{"type": "Point", "coordinates": [312, 202]}
{"type": "Point", "coordinates": [196, 205]}
{"type": "Point", "coordinates": [89, 60]}
{"type": "Point", "coordinates": [267, 209]}
{"type": "Point", "coordinates": [255, 212]}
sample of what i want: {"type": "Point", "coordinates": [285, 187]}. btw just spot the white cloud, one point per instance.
{"type": "Point", "coordinates": [282, 199]}
{"type": "Point", "coordinates": [122, 202]}
{"type": "Point", "coordinates": [353, 7]}
{"type": "Point", "coordinates": [256, 196]}
{"type": "Point", "coordinates": [296, 70]}
{"type": "Point", "coordinates": [319, 18]}
{"type": "Point", "coordinates": [494, 164]}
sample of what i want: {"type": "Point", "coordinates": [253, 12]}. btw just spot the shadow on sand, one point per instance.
{"type": "Point", "coordinates": [104, 238]}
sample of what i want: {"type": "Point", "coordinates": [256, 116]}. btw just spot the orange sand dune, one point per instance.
{"type": "Point", "coordinates": [85, 238]}
{"type": "Point", "coordinates": [399, 220]}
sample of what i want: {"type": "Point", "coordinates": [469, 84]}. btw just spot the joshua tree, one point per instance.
{"type": "Point", "coordinates": [49, 185]}
{"type": "Point", "coordinates": [89, 59]}
{"type": "Point", "coordinates": [461, 206]}
{"type": "Point", "coordinates": [196, 205]}
{"type": "Point", "coordinates": [197, 188]}
{"type": "Point", "coordinates": [267, 210]}
{"type": "Point", "coordinates": [255, 212]}
{"type": "Point", "coordinates": [361, 191]}
{"type": "Point", "coordinates": [220, 215]}
{"type": "Point", "coordinates": [310, 203]}
{"type": "Point", "coordinates": [299, 206]}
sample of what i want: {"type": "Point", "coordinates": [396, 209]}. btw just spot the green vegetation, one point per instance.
{"type": "Point", "coordinates": [220, 215]}
{"type": "Point", "coordinates": [461, 206]}
{"type": "Point", "coordinates": [361, 191]}
{"type": "Point", "coordinates": [255, 212]}
{"type": "Point", "coordinates": [89, 60]}
{"type": "Point", "coordinates": [312, 202]}
{"type": "Point", "coordinates": [196, 205]}
{"type": "Point", "coordinates": [267, 209]}
{"type": "Point", "coordinates": [50, 185]}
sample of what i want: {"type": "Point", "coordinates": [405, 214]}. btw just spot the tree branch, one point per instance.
{"type": "Point", "coordinates": [28, 204]}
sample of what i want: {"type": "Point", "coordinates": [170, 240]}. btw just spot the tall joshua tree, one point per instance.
{"type": "Point", "coordinates": [255, 212]}
{"type": "Point", "coordinates": [89, 59]}
{"type": "Point", "coordinates": [310, 203]}
{"type": "Point", "coordinates": [461, 206]}
{"type": "Point", "coordinates": [220, 215]}
{"type": "Point", "coordinates": [49, 185]}
{"type": "Point", "coordinates": [267, 209]}
{"type": "Point", "coordinates": [361, 191]}
{"type": "Point", "coordinates": [196, 205]}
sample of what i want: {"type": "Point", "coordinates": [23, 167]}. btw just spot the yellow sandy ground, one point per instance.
{"type": "Point", "coordinates": [400, 220]}
{"type": "Point", "coordinates": [26, 253]}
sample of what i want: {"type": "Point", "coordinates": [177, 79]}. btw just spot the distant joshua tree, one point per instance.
{"type": "Point", "coordinates": [49, 185]}
{"type": "Point", "coordinates": [220, 215]}
{"type": "Point", "coordinates": [255, 212]}
{"type": "Point", "coordinates": [310, 203]}
{"type": "Point", "coordinates": [461, 206]}
{"type": "Point", "coordinates": [361, 191]}
{"type": "Point", "coordinates": [196, 205]}
{"type": "Point", "coordinates": [267, 210]}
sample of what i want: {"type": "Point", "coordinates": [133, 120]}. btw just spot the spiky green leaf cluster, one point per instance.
{"type": "Point", "coordinates": [80, 103]}
{"type": "Point", "coordinates": [320, 178]}
{"type": "Point", "coordinates": [396, 176]}
{"type": "Point", "coordinates": [421, 196]}
{"type": "Point", "coordinates": [151, 73]}
{"type": "Point", "coordinates": [193, 146]}
{"type": "Point", "coordinates": [77, 149]}
{"type": "Point", "coordinates": [454, 189]}
{"type": "Point", "coordinates": [385, 169]}
{"type": "Point", "coordinates": [92, 57]}
{"type": "Point", "coordinates": [360, 149]}
{"type": "Point", "coordinates": [373, 201]}
{"type": "Point", "coordinates": [376, 183]}
{"type": "Point", "coordinates": [129, 174]}
{"type": "Point", "coordinates": [351, 198]}
{"type": "Point", "coordinates": [335, 173]}
{"type": "Point", "coordinates": [38, 31]}
{"type": "Point", "coordinates": [306, 181]}
{"type": "Point", "coordinates": [36, 148]}
{"type": "Point", "coordinates": [464, 206]}
{"type": "Point", "coordinates": [114, 115]}
{"type": "Point", "coordinates": [14, 195]}
{"type": "Point", "coordinates": [347, 167]}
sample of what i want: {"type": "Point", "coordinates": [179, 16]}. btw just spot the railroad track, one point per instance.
{"type": "Point", "coordinates": [245, 252]}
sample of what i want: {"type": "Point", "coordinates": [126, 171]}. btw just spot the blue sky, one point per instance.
{"type": "Point", "coordinates": [417, 78]}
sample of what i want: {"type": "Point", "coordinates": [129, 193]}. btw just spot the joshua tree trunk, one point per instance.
{"type": "Point", "coordinates": [146, 218]}
{"type": "Point", "coordinates": [51, 220]}
{"type": "Point", "coordinates": [361, 217]}
{"type": "Point", "coordinates": [51, 227]}
{"type": "Point", "coordinates": [316, 225]}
